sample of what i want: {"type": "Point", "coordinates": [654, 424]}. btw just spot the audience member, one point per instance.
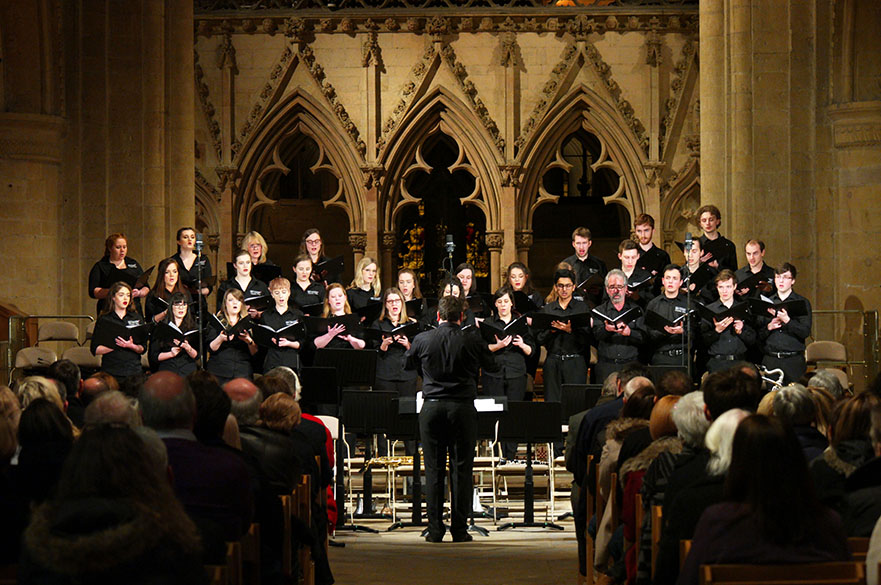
{"type": "Point", "coordinates": [246, 399]}
{"type": "Point", "coordinates": [113, 519]}
{"type": "Point", "coordinates": [862, 500]}
{"type": "Point", "coordinates": [829, 382]}
{"type": "Point", "coordinates": [675, 382]}
{"type": "Point", "coordinates": [770, 513]}
{"type": "Point", "coordinates": [213, 484]}
{"type": "Point", "coordinates": [794, 405]}
{"type": "Point", "coordinates": [683, 509]}
{"type": "Point", "coordinates": [112, 407]}
{"type": "Point", "coordinates": [34, 387]}
{"type": "Point", "coordinates": [67, 375]}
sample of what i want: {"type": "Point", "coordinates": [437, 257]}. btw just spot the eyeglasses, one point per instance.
{"type": "Point", "coordinates": [314, 241]}
{"type": "Point", "coordinates": [616, 287]}
{"type": "Point", "coordinates": [393, 301]}
{"type": "Point", "coordinates": [563, 286]}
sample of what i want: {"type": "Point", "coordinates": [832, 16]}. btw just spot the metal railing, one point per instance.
{"type": "Point", "coordinates": [858, 331]}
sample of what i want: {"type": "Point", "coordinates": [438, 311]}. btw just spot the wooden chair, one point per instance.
{"type": "Point", "coordinates": [613, 501]}
{"type": "Point", "coordinates": [287, 560]}
{"type": "Point", "coordinates": [684, 548]}
{"type": "Point", "coordinates": [302, 509]}
{"type": "Point", "coordinates": [639, 517]}
{"type": "Point", "coordinates": [843, 573]}
{"type": "Point", "coordinates": [217, 574]}
{"type": "Point", "coordinates": [858, 547]}
{"type": "Point", "coordinates": [657, 526]}
{"type": "Point", "coordinates": [590, 505]}
{"type": "Point", "coordinates": [251, 555]}
{"type": "Point", "coordinates": [234, 563]}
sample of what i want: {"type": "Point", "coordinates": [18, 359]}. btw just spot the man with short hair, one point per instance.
{"type": "Point", "coordinates": [728, 339]}
{"type": "Point", "coordinates": [67, 375]}
{"type": "Point", "coordinates": [618, 340]}
{"type": "Point", "coordinates": [246, 400]}
{"type": "Point", "coordinates": [112, 407]}
{"type": "Point", "coordinates": [640, 282]}
{"type": "Point", "coordinates": [783, 334]}
{"type": "Point", "coordinates": [566, 345]}
{"type": "Point", "coordinates": [652, 259]}
{"type": "Point", "coordinates": [212, 484]}
{"type": "Point", "coordinates": [668, 343]}
{"type": "Point", "coordinates": [450, 361]}
{"type": "Point", "coordinates": [719, 251]}
{"type": "Point", "coordinates": [755, 265]}
{"type": "Point", "coordinates": [583, 264]}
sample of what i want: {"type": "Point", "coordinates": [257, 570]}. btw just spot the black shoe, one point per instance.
{"type": "Point", "coordinates": [463, 538]}
{"type": "Point", "coordinates": [432, 538]}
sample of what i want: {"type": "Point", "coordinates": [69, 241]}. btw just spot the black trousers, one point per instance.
{"type": "Point", "coordinates": [448, 426]}
{"type": "Point", "coordinates": [793, 367]}
{"type": "Point", "coordinates": [514, 389]}
{"type": "Point", "coordinates": [559, 371]}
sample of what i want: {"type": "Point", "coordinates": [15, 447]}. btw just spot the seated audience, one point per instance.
{"type": "Point", "coordinates": [112, 407]}
{"type": "Point", "coordinates": [794, 405]}
{"type": "Point", "coordinates": [770, 514]}
{"type": "Point", "coordinates": [113, 519]}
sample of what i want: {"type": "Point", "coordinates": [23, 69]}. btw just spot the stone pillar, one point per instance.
{"type": "Point", "coordinates": [358, 242]}
{"type": "Point", "coordinates": [387, 262]}
{"type": "Point", "coordinates": [523, 241]}
{"type": "Point", "coordinates": [495, 241]}
{"type": "Point", "coordinates": [180, 135]}
{"type": "Point", "coordinates": [713, 103]}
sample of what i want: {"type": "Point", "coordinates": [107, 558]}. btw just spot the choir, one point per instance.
{"type": "Point", "coordinates": [700, 316]}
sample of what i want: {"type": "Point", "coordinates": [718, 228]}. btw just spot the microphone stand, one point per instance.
{"type": "Point", "coordinates": [199, 297]}
{"type": "Point", "coordinates": [687, 338]}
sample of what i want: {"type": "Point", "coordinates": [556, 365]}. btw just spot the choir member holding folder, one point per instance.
{"type": "Point", "coordinates": [526, 298]}
{"type": "Point", "coordinates": [337, 322]}
{"type": "Point", "coordinates": [617, 327]}
{"type": "Point", "coordinates": [784, 322]}
{"type": "Point", "coordinates": [115, 267]}
{"type": "Point", "coordinates": [408, 284]}
{"type": "Point", "coordinates": [563, 327]}
{"type": "Point", "coordinates": [175, 340]}
{"type": "Point", "coordinates": [167, 284]}
{"type": "Point", "coordinates": [191, 265]}
{"type": "Point", "coordinates": [120, 335]}
{"type": "Point", "coordinates": [324, 270]}
{"type": "Point", "coordinates": [666, 321]}
{"type": "Point", "coordinates": [231, 343]}
{"type": "Point", "coordinates": [724, 325]}
{"type": "Point", "coordinates": [511, 343]}
{"type": "Point", "coordinates": [391, 335]}
{"type": "Point", "coordinates": [281, 329]}
{"type": "Point", "coordinates": [365, 288]}
{"type": "Point", "coordinates": [255, 293]}
{"type": "Point", "coordinates": [305, 293]}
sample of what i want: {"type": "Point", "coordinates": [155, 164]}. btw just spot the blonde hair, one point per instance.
{"type": "Point", "coordinates": [10, 407]}
{"type": "Point", "coordinates": [253, 237]}
{"type": "Point", "coordinates": [243, 308]}
{"type": "Point", "coordinates": [328, 312]}
{"type": "Point", "coordinates": [358, 282]}
{"type": "Point", "coordinates": [34, 387]}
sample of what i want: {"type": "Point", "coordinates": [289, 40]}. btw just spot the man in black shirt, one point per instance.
{"type": "Point", "coordinates": [652, 259]}
{"type": "Point", "coordinates": [727, 339]}
{"type": "Point", "coordinates": [783, 333]}
{"type": "Point", "coordinates": [566, 345]}
{"type": "Point", "coordinates": [719, 251]}
{"type": "Point", "coordinates": [668, 348]}
{"type": "Point", "coordinates": [450, 362]}
{"type": "Point", "coordinates": [755, 264]}
{"type": "Point", "coordinates": [618, 336]}
{"type": "Point", "coordinates": [583, 264]}
{"type": "Point", "coordinates": [640, 285]}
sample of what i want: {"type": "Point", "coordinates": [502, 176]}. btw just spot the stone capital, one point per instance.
{"type": "Point", "coordinates": [358, 241]}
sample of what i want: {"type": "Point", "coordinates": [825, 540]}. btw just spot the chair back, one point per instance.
{"type": "Point", "coordinates": [825, 351]}
{"type": "Point", "coordinates": [82, 356]}
{"type": "Point", "coordinates": [332, 423]}
{"type": "Point", "coordinates": [839, 573]}
{"type": "Point", "coordinates": [858, 547]}
{"type": "Point", "coordinates": [657, 526]}
{"type": "Point", "coordinates": [58, 331]}
{"type": "Point", "coordinates": [34, 357]}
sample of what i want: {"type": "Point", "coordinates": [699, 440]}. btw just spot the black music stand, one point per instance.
{"type": "Point", "coordinates": [531, 422]}
{"type": "Point", "coordinates": [486, 430]}
{"type": "Point", "coordinates": [578, 397]}
{"type": "Point", "coordinates": [369, 412]}
{"type": "Point", "coordinates": [406, 427]}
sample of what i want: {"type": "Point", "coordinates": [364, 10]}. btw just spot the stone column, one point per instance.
{"type": "Point", "coordinates": [358, 242]}
{"type": "Point", "coordinates": [388, 264]}
{"type": "Point", "coordinates": [713, 103]}
{"type": "Point", "coordinates": [495, 241]}
{"type": "Point", "coordinates": [523, 241]}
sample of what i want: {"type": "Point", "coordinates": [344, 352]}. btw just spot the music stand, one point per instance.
{"type": "Point", "coordinates": [368, 412]}
{"type": "Point", "coordinates": [486, 430]}
{"type": "Point", "coordinates": [531, 422]}
{"type": "Point", "coordinates": [406, 427]}
{"type": "Point", "coordinates": [578, 397]}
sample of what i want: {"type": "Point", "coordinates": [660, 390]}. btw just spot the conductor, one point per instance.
{"type": "Point", "coordinates": [450, 361]}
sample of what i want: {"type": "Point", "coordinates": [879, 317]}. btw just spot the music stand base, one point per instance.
{"type": "Point", "coordinates": [530, 525]}
{"type": "Point", "coordinates": [357, 528]}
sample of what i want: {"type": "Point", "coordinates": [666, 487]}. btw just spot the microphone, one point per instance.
{"type": "Point", "coordinates": [689, 242]}
{"type": "Point", "coordinates": [450, 245]}
{"type": "Point", "coordinates": [199, 243]}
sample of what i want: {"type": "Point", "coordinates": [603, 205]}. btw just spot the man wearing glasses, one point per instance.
{"type": "Point", "coordinates": [566, 345]}
{"type": "Point", "coordinates": [783, 330]}
{"type": "Point", "coordinates": [617, 327]}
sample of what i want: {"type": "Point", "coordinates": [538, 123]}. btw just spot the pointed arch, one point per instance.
{"type": "Point", "coordinates": [440, 110]}
{"type": "Point", "coordinates": [582, 108]}
{"type": "Point", "coordinates": [299, 112]}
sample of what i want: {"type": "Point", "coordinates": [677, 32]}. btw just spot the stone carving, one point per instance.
{"type": "Point", "coordinates": [653, 46]}
{"type": "Point", "coordinates": [226, 54]}
{"type": "Point", "coordinates": [438, 26]}
{"type": "Point", "coordinates": [510, 49]}
{"type": "Point", "coordinates": [389, 240]}
{"type": "Point", "coordinates": [373, 176]}
{"type": "Point", "coordinates": [580, 27]}
{"type": "Point", "coordinates": [207, 107]}
{"type": "Point", "coordinates": [269, 26]}
{"type": "Point", "coordinates": [207, 186]}
{"type": "Point", "coordinates": [295, 28]}
{"type": "Point", "coordinates": [229, 177]}
{"type": "Point", "coordinates": [681, 71]}
{"type": "Point", "coordinates": [495, 240]}
{"type": "Point", "coordinates": [358, 241]}
{"type": "Point", "coordinates": [510, 175]}
{"type": "Point", "coordinates": [370, 52]}
{"type": "Point", "coordinates": [523, 240]}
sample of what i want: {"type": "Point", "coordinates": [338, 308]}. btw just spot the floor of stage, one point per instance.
{"type": "Point", "coordinates": [516, 555]}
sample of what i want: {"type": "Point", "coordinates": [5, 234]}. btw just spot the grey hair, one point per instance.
{"type": "Point", "coordinates": [827, 381]}
{"type": "Point", "coordinates": [178, 412]}
{"type": "Point", "coordinates": [155, 448]}
{"type": "Point", "coordinates": [610, 384]}
{"type": "Point", "coordinates": [690, 419]}
{"type": "Point", "coordinates": [720, 439]}
{"type": "Point", "coordinates": [794, 405]}
{"type": "Point", "coordinates": [112, 407]}
{"type": "Point", "coordinates": [614, 272]}
{"type": "Point", "coordinates": [290, 376]}
{"type": "Point", "coordinates": [247, 412]}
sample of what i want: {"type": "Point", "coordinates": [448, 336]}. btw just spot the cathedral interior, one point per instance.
{"type": "Point", "coordinates": [389, 124]}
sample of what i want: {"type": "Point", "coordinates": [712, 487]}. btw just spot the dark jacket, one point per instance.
{"type": "Point", "coordinates": [862, 500]}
